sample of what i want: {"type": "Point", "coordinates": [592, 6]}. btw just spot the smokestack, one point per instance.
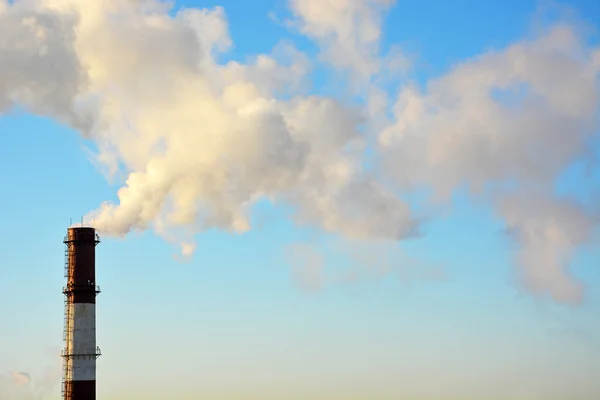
{"type": "Point", "coordinates": [81, 352]}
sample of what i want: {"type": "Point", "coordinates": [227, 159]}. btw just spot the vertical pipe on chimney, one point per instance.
{"type": "Point", "coordinates": [81, 352]}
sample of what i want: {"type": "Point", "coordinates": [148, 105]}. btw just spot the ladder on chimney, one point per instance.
{"type": "Point", "coordinates": [67, 256]}
{"type": "Point", "coordinates": [68, 321]}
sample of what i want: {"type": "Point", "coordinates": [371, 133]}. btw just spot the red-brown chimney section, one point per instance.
{"type": "Point", "coordinates": [81, 352]}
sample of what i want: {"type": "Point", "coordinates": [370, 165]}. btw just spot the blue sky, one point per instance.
{"type": "Point", "coordinates": [236, 321]}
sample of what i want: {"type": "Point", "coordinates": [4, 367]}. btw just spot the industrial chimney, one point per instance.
{"type": "Point", "coordinates": [80, 352]}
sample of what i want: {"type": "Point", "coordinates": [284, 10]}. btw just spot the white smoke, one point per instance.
{"type": "Point", "coordinates": [39, 67]}
{"type": "Point", "coordinates": [201, 142]}
{"type": "Point", "coordinates": [547, 231]}
{"type": "Point", "coordinates": [348, 31]}
{"type": "Point", "coordinates": [506, 124]}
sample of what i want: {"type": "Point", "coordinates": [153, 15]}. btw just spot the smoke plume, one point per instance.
{"type": "Point", "coordinates": [200, 142]}
{"type": "Point", "coordinates": [348, 31]}
{"type": "Point", "coordinates": [505, 125]}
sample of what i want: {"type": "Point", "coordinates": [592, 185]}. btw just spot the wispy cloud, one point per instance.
{"type": "Point", "coordinates": [19, 385]}
{"type": "Point", "coordinates": [346, 262]}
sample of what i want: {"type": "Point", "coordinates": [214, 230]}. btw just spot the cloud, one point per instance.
{"type": "Point", "coordinates": [20, 378]}
{"type": "Point", "coordinates": [15, 386]}
{"type": "Point", "coordinates": [308, 266]}
{"type": "Point", "coordinates": [346, 261]}
{"type": "Point", "coordinates": [18, 385]}
{"type": "Point", "coordinates": [200, 142]}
